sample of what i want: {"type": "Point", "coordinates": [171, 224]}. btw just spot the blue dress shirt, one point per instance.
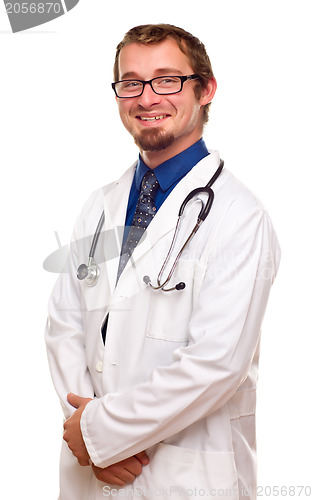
{"type": "Point", "coordinates": [168, 174]}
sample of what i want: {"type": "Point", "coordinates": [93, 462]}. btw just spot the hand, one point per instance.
{"type": "Point", "coordinates": [123, 472]}
{"type": "Point", "coordinates": [72, 432]}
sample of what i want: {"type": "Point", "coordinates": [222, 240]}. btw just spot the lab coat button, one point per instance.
{"type": "Point", "coordinates": [99, 367]}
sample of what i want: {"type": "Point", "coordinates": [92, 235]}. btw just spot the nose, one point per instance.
{"type": "Point", "coordinates": [148, 98]}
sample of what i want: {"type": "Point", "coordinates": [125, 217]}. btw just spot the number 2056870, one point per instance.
{"type": "Point", "coordinates": [284, 491]}
{"type": "Point", "coordinates": [33, 8]}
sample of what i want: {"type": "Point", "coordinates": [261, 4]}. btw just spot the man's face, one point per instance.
{"type": "Point", "coordinates": [160, 122]}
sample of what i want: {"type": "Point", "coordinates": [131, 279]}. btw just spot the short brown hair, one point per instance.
{"type": "Point", "coordinates": [188, 44]}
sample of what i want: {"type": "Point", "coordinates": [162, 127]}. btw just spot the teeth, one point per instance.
{"type": "Point", "coordinates": [153, 118]}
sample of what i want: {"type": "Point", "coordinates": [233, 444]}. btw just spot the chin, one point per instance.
{"type": "Point", "coordinates": [153, 140]}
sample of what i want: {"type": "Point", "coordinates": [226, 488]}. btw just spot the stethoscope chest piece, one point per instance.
{"type": "Point", "coordinates": [90, 272]}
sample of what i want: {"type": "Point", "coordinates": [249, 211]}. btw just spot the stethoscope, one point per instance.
{"type": "Point", "coordinates": [91, 272]}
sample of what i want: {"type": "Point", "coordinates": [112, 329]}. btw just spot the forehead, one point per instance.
{"type": "Point", "coordinates": [146, 61]}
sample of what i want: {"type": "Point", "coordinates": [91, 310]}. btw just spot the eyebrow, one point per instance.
{"type": "Point", "coordinates": [158, 72]}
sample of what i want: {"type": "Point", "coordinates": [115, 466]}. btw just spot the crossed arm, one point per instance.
{"type": "Point", "coordinates": [120, 473]}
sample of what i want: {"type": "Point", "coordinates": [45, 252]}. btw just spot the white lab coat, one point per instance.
{"type": "Point", "coordinates": [177, 376]}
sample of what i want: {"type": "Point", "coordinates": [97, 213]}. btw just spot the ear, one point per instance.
{"type": "Point", "coordinates": [208, 92]}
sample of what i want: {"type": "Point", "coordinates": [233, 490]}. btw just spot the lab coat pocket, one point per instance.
{"type": "Point", "coordinates": [184, 474]}
{"type": "Point", "coordinates": [170, 312]}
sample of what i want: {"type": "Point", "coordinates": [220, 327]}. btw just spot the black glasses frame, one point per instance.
{"type": "Point", "coordinates": [183, 79]}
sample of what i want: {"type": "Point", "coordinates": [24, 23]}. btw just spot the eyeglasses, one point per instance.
{"type": "Point", "coordinates": [162, 85]}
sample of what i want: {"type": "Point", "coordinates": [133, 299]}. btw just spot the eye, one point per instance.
{"type": "Point", "coordinates": [131, 84]}
{"type": "Point", "coordinates": [168, 80]}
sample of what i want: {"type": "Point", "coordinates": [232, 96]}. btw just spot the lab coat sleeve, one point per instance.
{"type": "Point", "coordinates": [223, 336]}
{"type": "Point", "coordinates": [65, 338]}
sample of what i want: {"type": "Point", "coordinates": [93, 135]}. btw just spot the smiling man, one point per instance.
{"type": "Point", "coordinates": [156, 363]}
{"type": "Point", "coordinates": [162, 124]}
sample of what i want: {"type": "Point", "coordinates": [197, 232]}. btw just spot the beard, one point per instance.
{"type": "Point", "coordinates": [153, 140]}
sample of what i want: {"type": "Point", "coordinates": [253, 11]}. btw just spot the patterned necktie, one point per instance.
{"type": "Point", "coordinates": [144, 213]}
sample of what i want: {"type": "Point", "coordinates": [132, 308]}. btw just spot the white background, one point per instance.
{"type": "Point", "coordinates": [61, 138]}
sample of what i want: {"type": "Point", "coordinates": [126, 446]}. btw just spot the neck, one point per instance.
{"type": "Point", "coordinates": [154, 158]}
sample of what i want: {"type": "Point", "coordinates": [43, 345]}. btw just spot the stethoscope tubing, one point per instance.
{"type": "Point", "coordinates": [204, 212]}
{"type": "Point", "coordinates": [201, 217]}
{"type": "Point", "coordinates": [96, 237]}
{"type": "Point", "coordinates": [181, 285]}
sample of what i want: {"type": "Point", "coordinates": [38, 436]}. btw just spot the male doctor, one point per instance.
{"type": "Point", "coordinates": [158, 387]}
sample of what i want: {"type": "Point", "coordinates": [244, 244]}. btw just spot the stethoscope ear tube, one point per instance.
{"type": "Point", "coordinates": [204, 212]}
{"type": "Point", "coordinates": [216, 175]}
{"type": "Point", "coordinates": [207, 207]}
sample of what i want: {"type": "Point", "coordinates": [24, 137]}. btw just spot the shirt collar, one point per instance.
{"type": "Point", "coordinates": [175, 168]}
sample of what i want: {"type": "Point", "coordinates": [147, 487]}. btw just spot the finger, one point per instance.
{"type": "Point", "coordinates": [126, 472]}
{"type": "Point", "coordinates": [65, 426]}
{"type": "Point", "coordinates": [127, 469]}
{"type": "Point", "coordinates": [143, 458]}
{"type": "Point", "coordinates": [75, 400]}
{"type": "Point", "coordinates": [83, 461]}
{"type": "Point", "coordinates": [81, 456]}
{"type": "Point", "coordinates": [106, 476]}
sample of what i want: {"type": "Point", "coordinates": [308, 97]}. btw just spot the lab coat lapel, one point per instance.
{"type": "Point", "coordinates": [115, 206]}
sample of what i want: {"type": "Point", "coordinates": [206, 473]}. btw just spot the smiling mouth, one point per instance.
{"type": "Point", "coordinates": [151, 118]}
